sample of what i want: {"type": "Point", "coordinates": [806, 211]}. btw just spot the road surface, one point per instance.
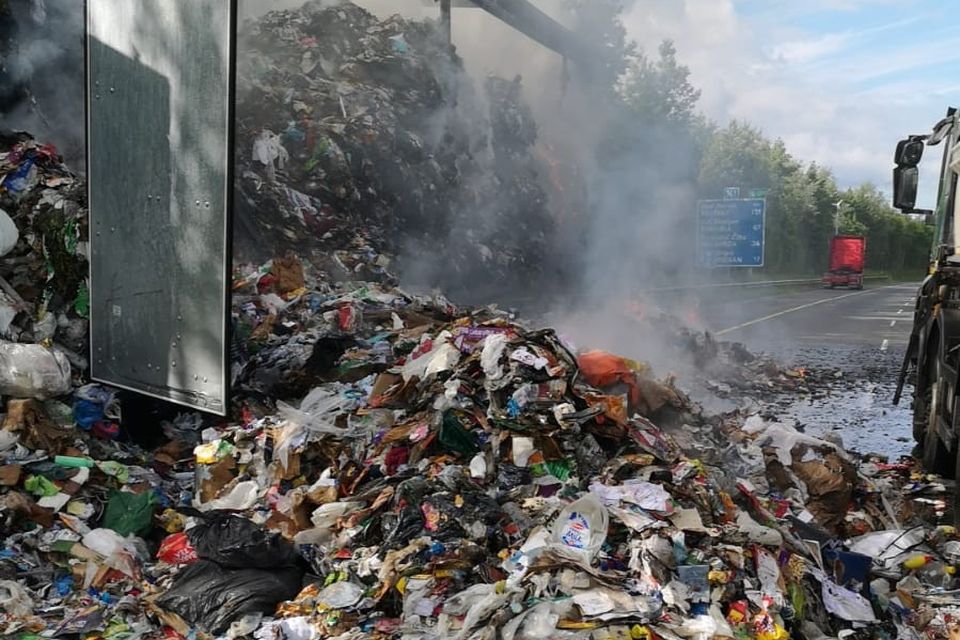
{"type": "Point", "coordinates": [863, 334]}
{"type": "Point", "coordinates": [876, 316]}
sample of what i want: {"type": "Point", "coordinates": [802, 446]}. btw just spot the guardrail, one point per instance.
{"type": "Point", "coordinates": [748, 285]}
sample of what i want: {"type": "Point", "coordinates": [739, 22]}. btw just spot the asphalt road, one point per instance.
{"type": "Point", "coordinates": [878, 316]}
{"type": "Point", "coordinates": [860, 335]}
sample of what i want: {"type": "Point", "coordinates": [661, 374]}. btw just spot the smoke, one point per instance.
{"type": "Point", "coordinates": [41, 83]}
{"type": "Point", "coordinates": [620, 191]}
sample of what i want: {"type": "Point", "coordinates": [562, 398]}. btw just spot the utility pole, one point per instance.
{"type": "Point", "coordinates": [445, 22]}
{"type": "Point", "coordinates": [836, 219]}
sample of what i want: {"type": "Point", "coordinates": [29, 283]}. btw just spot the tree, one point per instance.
{"type": "Point", "coordinates": [660, 90]}
{"type": "Point", "coordinates": [738, 155]}
{"type": "Point", "coordinates": [599, 23]}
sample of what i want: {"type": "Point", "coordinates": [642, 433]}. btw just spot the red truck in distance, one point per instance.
{"type": "Point", "coordinates": [847, 258]}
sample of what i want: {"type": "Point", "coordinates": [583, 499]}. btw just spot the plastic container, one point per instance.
{"type": "Point", "coordinates": [74, 462]}
{"type": "Point", "coordinates": [582, 526]}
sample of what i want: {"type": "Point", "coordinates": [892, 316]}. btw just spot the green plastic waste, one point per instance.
{"type": "Point", "coordinates": [453, 436]}
{"type": "Point", "coordinates": [82, 303]}
{"type": "Point", "coordinates": [40, 486]}
{"type": "Point", "coordinates": [115, 469]}
{"type": "Point", "coordinates": [559, 469]}
{"type": "Point", "coordinates": [130, 512]}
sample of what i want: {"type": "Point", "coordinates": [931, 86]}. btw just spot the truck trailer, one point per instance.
{"type": "Point", "coordinates": [847, 259]}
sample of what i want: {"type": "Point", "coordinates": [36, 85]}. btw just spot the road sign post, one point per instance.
{"type": "Point", "coordinates": [730, 233]}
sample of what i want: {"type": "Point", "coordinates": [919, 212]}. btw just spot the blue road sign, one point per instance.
{"type": "Point", "coordinates": [730, 233]}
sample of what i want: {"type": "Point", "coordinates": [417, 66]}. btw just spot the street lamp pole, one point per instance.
{"type": "Point", "coordinates": [836, 218]}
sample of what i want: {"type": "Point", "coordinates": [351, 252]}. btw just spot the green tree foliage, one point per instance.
{"type": "Point", "coordinates": [657, 117]}
{"type": "Point", "coordinates": [802, 206]}
{"type": "Point", "coordinates": [659, 89]}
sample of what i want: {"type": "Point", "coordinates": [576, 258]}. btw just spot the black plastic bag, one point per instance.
{"type": "Point", "coordinates": [212, 597]}
{"type": "Point", "coordinates": [234, 542]}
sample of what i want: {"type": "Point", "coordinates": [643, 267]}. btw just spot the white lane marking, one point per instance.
{"type": "Point", "coordinates": [884, 318]}
{"type": "Point", "coordinates": [883, 347]}
{"type": "Point", "coordinates": [794, 309]}
{"type": "Point", "coordinates": [893, 322]}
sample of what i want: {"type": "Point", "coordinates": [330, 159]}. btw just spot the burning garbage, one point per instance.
{"type": "Point", "coordinates": [369, 132]}
{"type": "Point", "coordinates": [396, 465]}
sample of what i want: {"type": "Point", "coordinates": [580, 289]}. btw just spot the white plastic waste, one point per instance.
{"type": "Point", "coordinates": [106, 542]}
{"type": "Point", "coordinates": [33, 371]}
{"type": "Point", "coordinates": [8, 233]}
{"type": "Point", "coordinates": [245, 626]}
{"type": "Point", "coordinates": [243, 496]}
{"type": "Point", "coordinates": [478, 467]}
{"type": "Point", "coordinates": [326, 515]}
{"type": "Point", "coordinates": [341, 595]}
{"type": "Point", "coordinates": [582, 526]}
{"type": "Point", "coordinates": [15, 599]}
{"type": "Point", "coordinates": [493, 348]}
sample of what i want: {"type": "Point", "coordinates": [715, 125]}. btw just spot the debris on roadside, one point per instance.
{"type": "Point", "coordinates": [402, 467]}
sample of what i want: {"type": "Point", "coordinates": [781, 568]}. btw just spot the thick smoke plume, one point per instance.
{"type": "Point", "coordinates": [589, 204]}
{"type": "Point", "coordinates": [41, 72]}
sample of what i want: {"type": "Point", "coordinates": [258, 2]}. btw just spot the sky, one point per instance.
{"type": "Point", "coordinates": [840, 81]}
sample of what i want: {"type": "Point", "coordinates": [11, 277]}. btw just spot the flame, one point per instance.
{"type": "Point", "coordinates": [554, 166]}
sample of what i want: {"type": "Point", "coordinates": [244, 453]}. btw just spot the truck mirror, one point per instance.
{"type": "Point", "coordinates": [909, 152]}
{"type": "Point", "coordinates": [905, 180]}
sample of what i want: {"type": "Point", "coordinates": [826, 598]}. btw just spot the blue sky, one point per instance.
{"type": "Point", "coordinates": [839, 80]}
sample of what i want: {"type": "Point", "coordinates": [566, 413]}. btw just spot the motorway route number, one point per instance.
{"type": "Point", "coordinates": [730, 233]}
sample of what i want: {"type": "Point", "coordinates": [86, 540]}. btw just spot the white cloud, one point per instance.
{"type": "Point", "coordinates": [805, 90]}
{"type": "Point", "coordinates": [802, 51]}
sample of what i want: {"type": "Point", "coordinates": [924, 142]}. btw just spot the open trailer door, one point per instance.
{"type": "Point", "coordinates": [160, 79]}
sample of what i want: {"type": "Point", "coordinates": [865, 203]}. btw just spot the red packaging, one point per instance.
{"type": "Point", "coordinates": [176, 549]}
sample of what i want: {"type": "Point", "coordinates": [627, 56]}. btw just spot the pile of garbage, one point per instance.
{"type": "Point", "coordinates": [400, 467]}
{"type": "Point", "coordinates": [397, 466]}
{"type": "Point", "coordinates": [43, 269]}
{"type": "Point", "coordinates": [361, 131]}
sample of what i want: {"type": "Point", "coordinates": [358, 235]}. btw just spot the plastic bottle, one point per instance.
{"type": "Point", "coordinates": [917, 561]}
{"type": "Point", "coordinates": [73, 462]}
{"type": "Point", "coordinates": [582, 526]}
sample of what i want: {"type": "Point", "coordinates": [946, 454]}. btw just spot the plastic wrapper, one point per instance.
{"type": "Point", "coordinates": [130, 513]}
{"type": "Point", "coordinates": [176, 549]}
{"type": "Point", "coordinates": [212, 597]}
{"type": "Point", "coordinates": [242, 496]}
{"type": "Point", "coordinates": [33, 371]}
